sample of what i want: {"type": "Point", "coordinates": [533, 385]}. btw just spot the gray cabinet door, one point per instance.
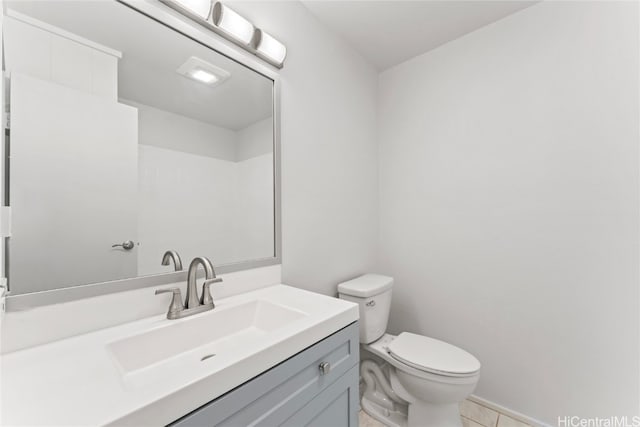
{"type": "Point", "coordinates": [284, 392]}
{"type": "Point", "coordinates": [336, 406]}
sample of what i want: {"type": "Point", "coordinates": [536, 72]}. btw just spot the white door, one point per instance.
{"type": "Point", "coordinates": [73, 186]}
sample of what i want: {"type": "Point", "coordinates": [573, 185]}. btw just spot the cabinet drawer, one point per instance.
{"type": "Point", "coordinates": [275, 395]}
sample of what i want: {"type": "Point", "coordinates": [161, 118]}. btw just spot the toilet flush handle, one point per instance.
{"type": "Point", "coordinates": [371, 303]}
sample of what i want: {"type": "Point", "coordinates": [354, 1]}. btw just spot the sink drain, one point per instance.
{"type": "Point", "coordinates": [208, 356]}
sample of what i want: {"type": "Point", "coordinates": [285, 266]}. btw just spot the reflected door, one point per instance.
{"type": "Point", "coordinates": [72, 186]}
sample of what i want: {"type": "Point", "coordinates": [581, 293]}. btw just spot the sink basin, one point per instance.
{"type": "Point", "coordinates": [153, 370]}
{"type": "Point", "coordinates": [202, 336]}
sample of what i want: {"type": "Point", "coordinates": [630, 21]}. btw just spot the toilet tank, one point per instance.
{"type": "Point", "coordinates": [372, 292]}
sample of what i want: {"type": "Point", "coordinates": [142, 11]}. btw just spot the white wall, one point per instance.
{"type": "Point", "coordinates": [254, 218]}
{"type": "Point", "coordinates": [164, 129]}
{"type": "Point", "coordinates": [329, 152]}
{"type": "Point", "coordinates": [255, 140]}
{"type": "Point", "coordinates": [186, 202]}
{"type": "Point", "coordinates": [49, 56]}
{"type": "Point", "coordinates": [203, 189]}
{"type": "Point", "coordinates": [509, 204]}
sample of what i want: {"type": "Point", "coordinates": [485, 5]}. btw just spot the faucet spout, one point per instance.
{"type": "Point", "coordinates": [172, 255]}
{"type": "Point", "coordinates": [192, 299]}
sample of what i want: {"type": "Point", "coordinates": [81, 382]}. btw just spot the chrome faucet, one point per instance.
{"type": "Point", "coordinates": [172, 256]}
{"type": "Point", "coordinates": [192, 304]}
{"type": "Point", "coordinates": [191, 300]}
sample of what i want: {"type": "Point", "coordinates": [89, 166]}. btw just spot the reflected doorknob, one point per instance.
{"type": "Point", "coordinates": [126, 245]}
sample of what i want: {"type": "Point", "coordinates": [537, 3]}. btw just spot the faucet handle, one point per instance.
{"type": "Point", "coordinates": [176, 305]}
{"type": "Point", "coordinates": [206, 292]}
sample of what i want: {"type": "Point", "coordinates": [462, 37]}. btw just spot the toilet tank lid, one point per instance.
{"type": "Point", "coordinates": [366, 285]}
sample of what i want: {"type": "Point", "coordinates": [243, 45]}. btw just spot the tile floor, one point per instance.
{"type": "Point", "coordinates": [364, 420]}
{"type": "Point", "coordinates": [473, 415]}
{"type": "Point", "coordinates": [476, 415]}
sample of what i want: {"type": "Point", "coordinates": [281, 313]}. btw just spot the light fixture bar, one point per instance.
{"type": "Point", "coordinates": [195, 9]}
{"type": "Point", "coordinates": [232, 23]}
{"type": "Point", "coordinates": [234, 27]}
{"type": "Point", "coordinates": [269, 49]}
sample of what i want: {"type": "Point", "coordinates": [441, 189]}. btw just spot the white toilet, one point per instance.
{"type": "Point", "coordinates": [416, 380]}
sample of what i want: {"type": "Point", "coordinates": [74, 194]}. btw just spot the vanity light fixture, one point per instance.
{"type": "Point", "coordinates": [234, 27]}
{"type": "Point", "coordinates": [203, 72]}
{"type": "Point", "coordinates": [268, 48]}
{"type": "Point", "coordinates": [231, 23]}
{"type": "Point", "coordinates": [196, 9]}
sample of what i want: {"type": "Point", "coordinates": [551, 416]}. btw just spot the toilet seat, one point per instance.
{"type": "Point", "coordinates": [433, 356]}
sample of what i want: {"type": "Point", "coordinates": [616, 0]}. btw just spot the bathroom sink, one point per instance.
{"type": "Point", "coordinates": [203, 336]}
{"type": "Point", "coordinates": [154, 370]}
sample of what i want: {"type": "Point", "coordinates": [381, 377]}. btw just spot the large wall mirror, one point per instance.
{"type": "Point", "coordinates": [128, 139]}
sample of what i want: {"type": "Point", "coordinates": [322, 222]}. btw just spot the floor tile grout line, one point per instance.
{"type": "Point", "coordinates": [509, 415]}
{"type": "Point", "coordinates": [471, 420]}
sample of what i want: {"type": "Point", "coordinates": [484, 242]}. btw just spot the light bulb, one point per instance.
{"type": "Point", "coordinates": [232, 23]}
{"type": "Point", "coordinates": [198, 8]}
{"type": "Point", "coordinates": [269, 48]}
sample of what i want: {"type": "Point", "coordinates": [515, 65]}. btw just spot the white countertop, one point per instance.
{"type": "Point", "coordinates": [76, 381]}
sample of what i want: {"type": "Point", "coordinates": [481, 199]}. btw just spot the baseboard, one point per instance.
{"type": "Point", "coordinates": [508, 412]}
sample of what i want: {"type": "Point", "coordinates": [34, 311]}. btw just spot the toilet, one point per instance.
{"type": "Point", "coordinates": [409, 380]}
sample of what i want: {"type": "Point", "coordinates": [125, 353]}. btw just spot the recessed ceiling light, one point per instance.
{"type": "Point", "coordinates": [201, 71]}
{"type": "Point", "coordinates": [204, 76]}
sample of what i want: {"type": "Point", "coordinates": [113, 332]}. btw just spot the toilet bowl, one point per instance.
{"type": "Point", "coordinates": [410, 380]}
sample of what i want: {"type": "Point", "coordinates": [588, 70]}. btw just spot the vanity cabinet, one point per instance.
{"type": "Point", "coordinates": [316, 387]}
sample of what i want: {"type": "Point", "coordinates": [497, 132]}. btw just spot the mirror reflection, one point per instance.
{"type": "Point", "coordinates": [125, 144]}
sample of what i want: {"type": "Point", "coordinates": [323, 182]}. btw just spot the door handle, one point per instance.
{"type": "Point", "coordinates": [126, 245]}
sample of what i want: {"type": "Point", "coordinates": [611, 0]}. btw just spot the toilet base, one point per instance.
{"type": "Point", "coordinates": [390, 418]}
{"type": "Point", "coordinates": [385, 400]}
{"type": "Point", "coordinates": [419, 414]}
{"type": "Point", "coordinates": [399, 395]}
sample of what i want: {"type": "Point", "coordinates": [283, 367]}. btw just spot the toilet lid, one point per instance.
{"type": "Point", "coordinates": [431, 355]}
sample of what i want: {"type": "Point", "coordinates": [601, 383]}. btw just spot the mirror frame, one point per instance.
{"type": "Point", "coordinates": [168, 17]}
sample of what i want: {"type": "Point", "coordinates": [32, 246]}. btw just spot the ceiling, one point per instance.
{"type": "Point", "coordinates": [387, 33]}
{"type": "Point", "coordinates": [151, 54]}
{"type": "Point", "coordinates": [384, 32]}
